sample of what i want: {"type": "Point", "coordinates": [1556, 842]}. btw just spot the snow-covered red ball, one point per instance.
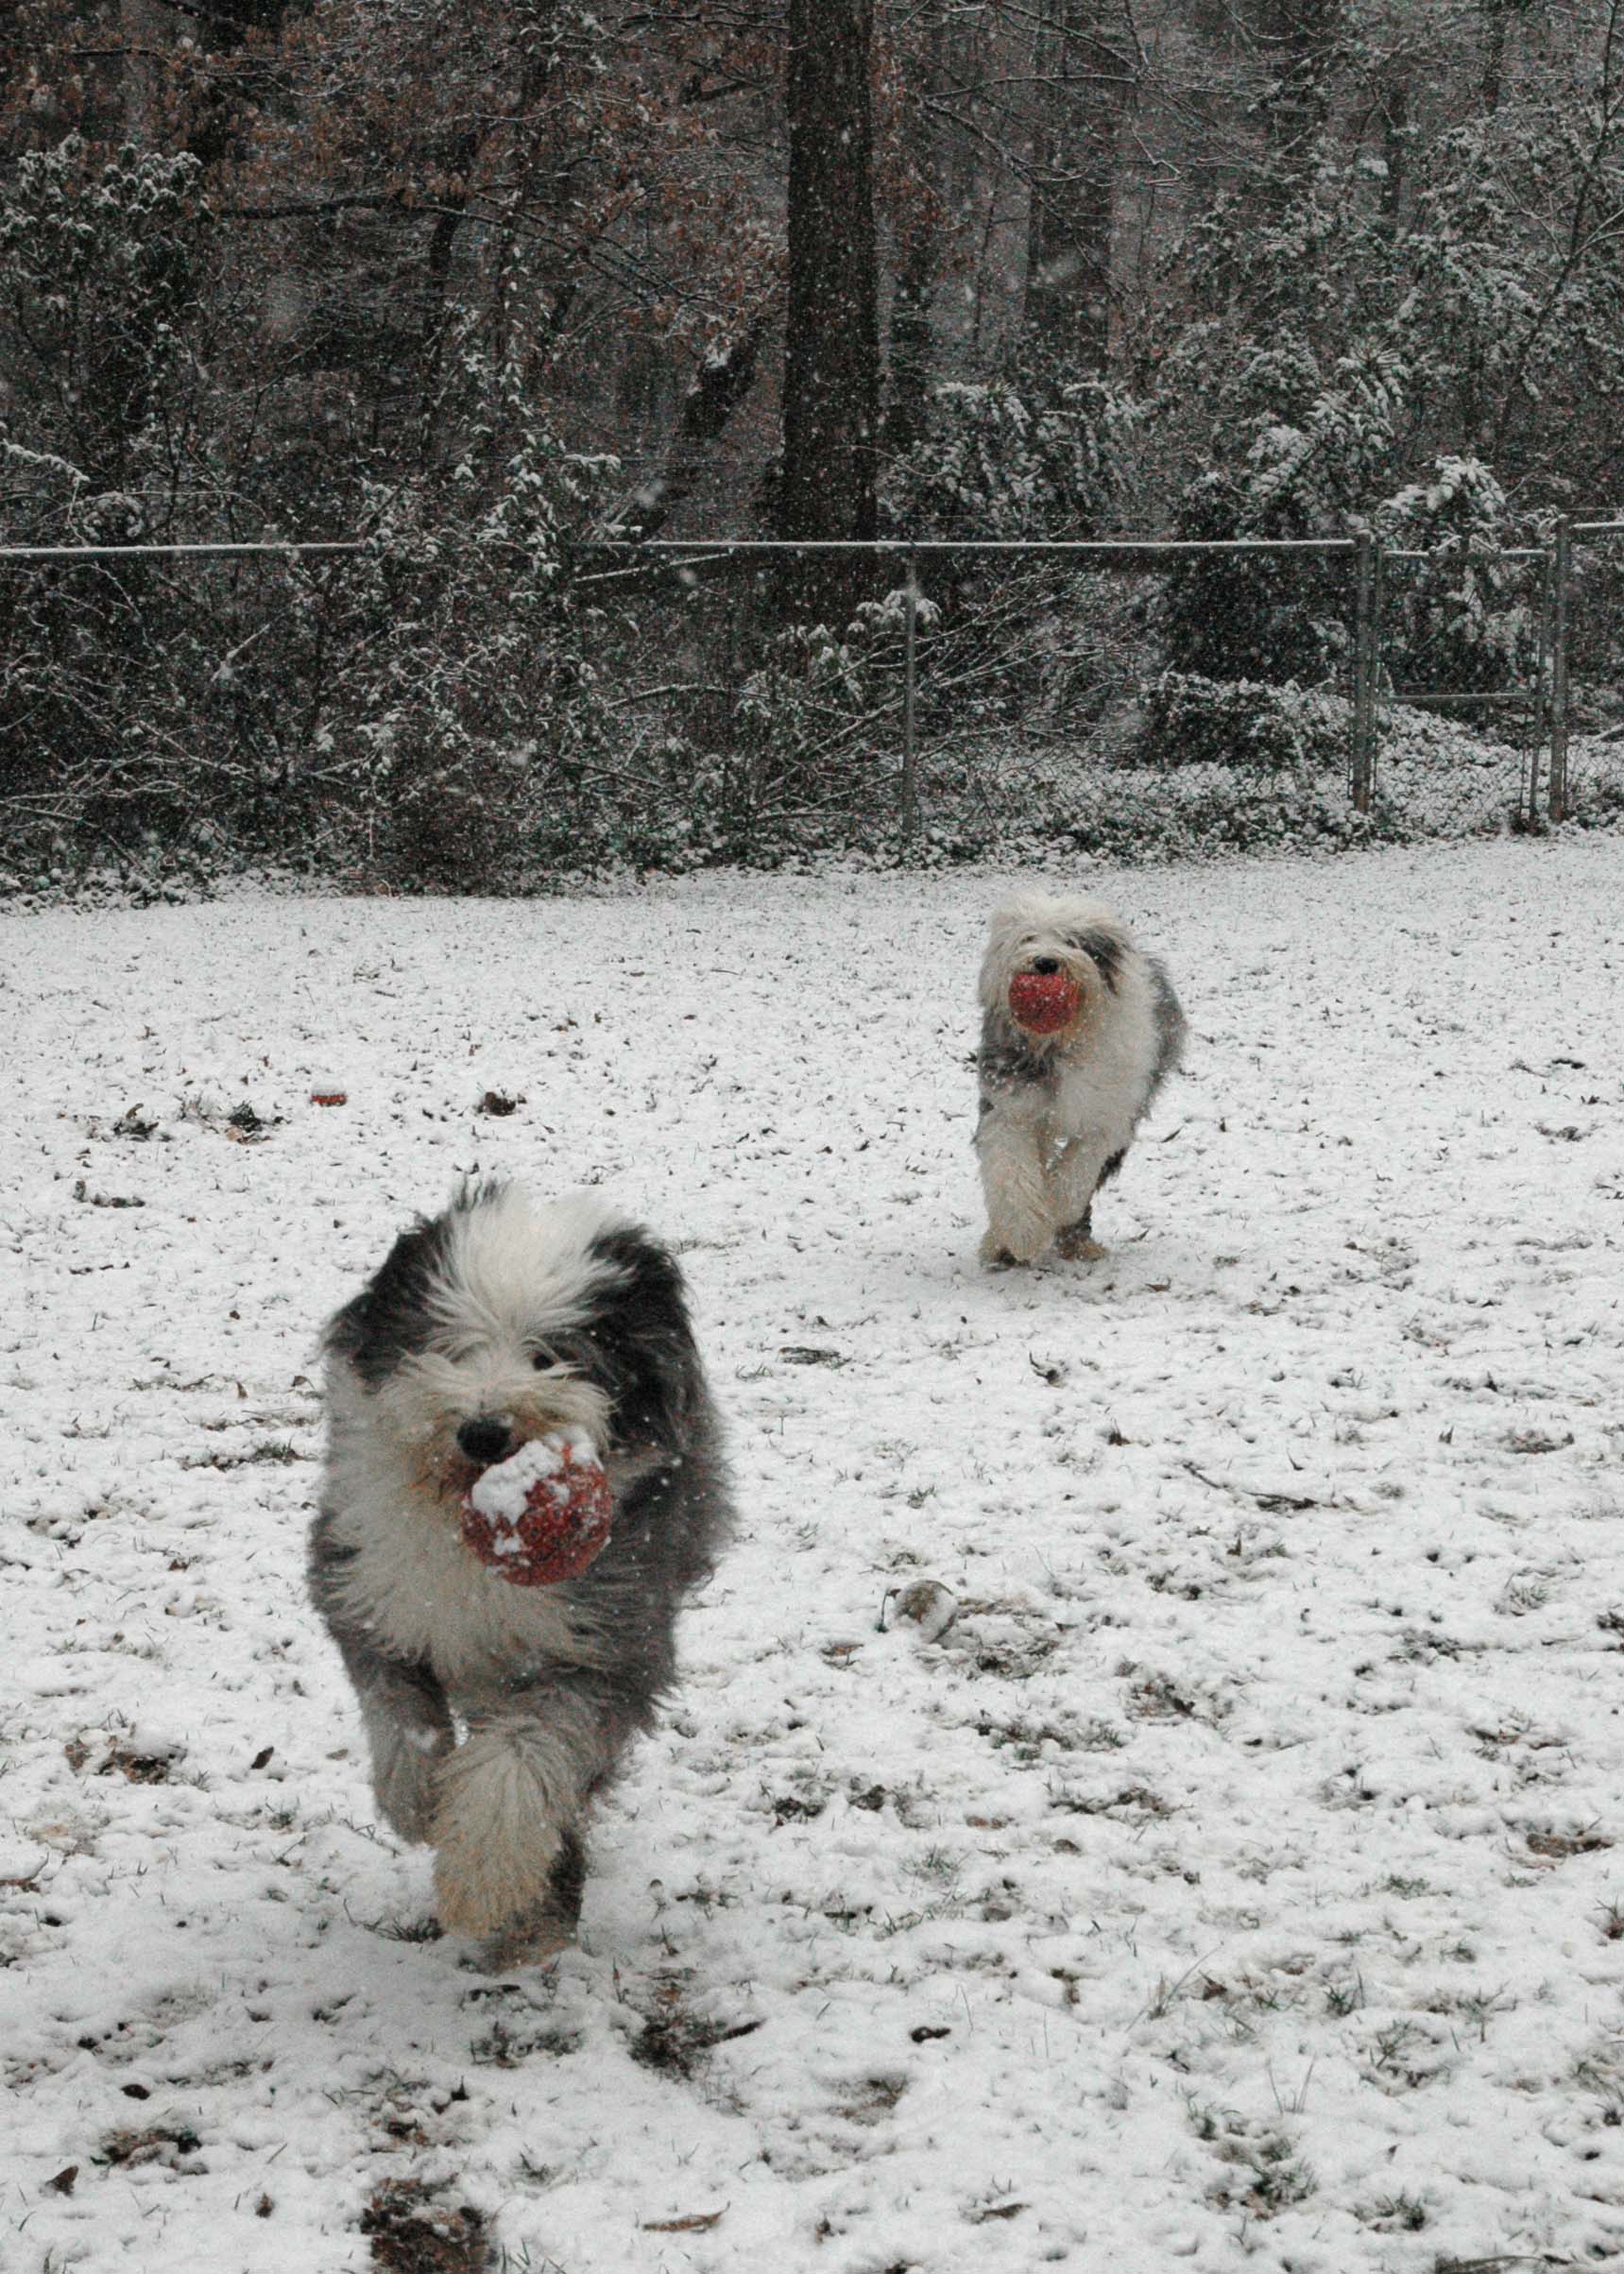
{"type": "Point", "coordinates": [1044, 1001]}
{"type": "Point", "coordinates": [543, 1515]}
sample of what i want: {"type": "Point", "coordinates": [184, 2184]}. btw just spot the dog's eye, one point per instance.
{"type": "Point", "coordinates": [542, 1360]}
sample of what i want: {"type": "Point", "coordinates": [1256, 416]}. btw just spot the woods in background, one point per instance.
{"type": "Point", "coordinates": [471, 279]}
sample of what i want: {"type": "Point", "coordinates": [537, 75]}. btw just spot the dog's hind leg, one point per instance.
{"type": "Point", "coordinates": [508, 1831]}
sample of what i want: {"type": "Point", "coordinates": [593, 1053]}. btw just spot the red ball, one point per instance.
{"type": "Point", "coordinates": [1044, 1001]}
{"type": "Point", "coordinates": [544, 1514]}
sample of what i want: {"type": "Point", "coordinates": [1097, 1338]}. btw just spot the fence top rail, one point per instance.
{"type": "Point", "coordinates": [1146, 547]}
{"type": "Point", "coordinates": [1597, 528]}
{"type": "Point", "coordinates": [166, 552]}
{"type": "Point", "coordinates": [1108, 548]}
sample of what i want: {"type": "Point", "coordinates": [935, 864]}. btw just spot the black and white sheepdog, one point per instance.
{"type": "Point", "coordinates": [1080, 1028]}
{"type": "Point", "coordinates": [502, 1322]}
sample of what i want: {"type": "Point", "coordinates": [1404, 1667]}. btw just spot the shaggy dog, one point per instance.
{"type": "Point", "coordinates": [1079, 1030]}
{"type": "Point", "coordinates": [493, 1325]}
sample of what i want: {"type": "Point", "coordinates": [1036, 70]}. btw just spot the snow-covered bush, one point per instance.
{"type": "Point", "coordinates": [796, 763]}
{"type": "Point", "coordinates": [1037, 451]}
{"type": "Point", "coordinates": [1263, 729]}
{"type": "Point", "coordinates": [1464, 618]}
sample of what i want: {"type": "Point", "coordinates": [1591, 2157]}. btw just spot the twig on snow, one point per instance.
{"type": "Point", "coordinates": [1274, 1504]}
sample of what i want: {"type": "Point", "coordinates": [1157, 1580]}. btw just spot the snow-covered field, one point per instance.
{"type": "Point", "coordinates": [1233, 1883]}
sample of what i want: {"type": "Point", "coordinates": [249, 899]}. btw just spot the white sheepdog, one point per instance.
{"type": "Point", "coordinates": [508, 1341]}
{"type": "Point", "coordinates": [1080, 1028]}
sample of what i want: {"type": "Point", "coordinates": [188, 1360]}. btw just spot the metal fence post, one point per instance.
{"type": "Point", "coordinates": [910, 751]}
{"type": "Point", "coordinates": [1561, 631]}
{"type": "Point", "coordinates": [1367, 654]}
{"type": "Point", "coordinates": [1540, 708]}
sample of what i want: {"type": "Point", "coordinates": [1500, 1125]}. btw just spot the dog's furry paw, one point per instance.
{"type": "Point", "coordinates": [541, 1929]}
{"type": "Point", "coordinates": [1000, 1249]}
{"type": "Point", "coordinates": [1076, 1245]}
{"type": "Point", "coordinates": [530, 1940]}
{"type": "Point", "coordinates": [500, 1867]}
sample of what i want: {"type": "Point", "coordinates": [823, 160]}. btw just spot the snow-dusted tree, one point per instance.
{"type": "Point", "coordinates": [105, 280]}
{"type": "Point", "coordinates": [1296, 452]}
{"type": "Point", "coordinates": [459, 719]}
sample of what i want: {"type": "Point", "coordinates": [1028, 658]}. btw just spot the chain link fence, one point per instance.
{"type": "Point", "coordinates": [1587, 671]}
{"type": "Point", "coordinates": [413, 718]}
{"type": "Point", "coordinates": [977, 691]}
{"type": "Point", "coordinates": [1460, 704]}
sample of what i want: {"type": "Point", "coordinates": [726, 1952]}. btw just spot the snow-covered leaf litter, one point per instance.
{"type": "Point", "coordinates": [1234, 1880]}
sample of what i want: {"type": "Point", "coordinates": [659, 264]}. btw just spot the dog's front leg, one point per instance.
{"type": "Point", "coordinates": [1020, 1223]}
{"type": "Point", "coordinates": [404, 1708]}
{"type": "Point", "coordinates": [508, 1831]}
{"type": "Point", "coordinates": [1074, 1179]}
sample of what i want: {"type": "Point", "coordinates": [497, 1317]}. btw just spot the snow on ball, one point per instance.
{"type": "Point", "coordinates": [543, 1515]}
{"type": "Point", "coordinates": [1044, 1001]}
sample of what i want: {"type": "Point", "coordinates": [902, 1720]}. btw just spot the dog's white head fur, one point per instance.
{"type": "Point", "coordinates": [510, 1282]}
{"type": "Point", "coordinates": [1047, 932]}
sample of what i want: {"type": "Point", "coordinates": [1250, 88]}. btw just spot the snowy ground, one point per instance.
{"type": "Point", "coordinates": [1235, 1883]}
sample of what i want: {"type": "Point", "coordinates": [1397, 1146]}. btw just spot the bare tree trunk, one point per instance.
{"type": "Point", "coordinates": [143, 30]}
{"type": "Point", "coordinates": [917, 233]}
{"type": "Point", "coordinates": [831, 348]}
{"type": "Point", "coordinates": [1084, 92]}
{"type": "Point", "coordinates": [1490, 76]}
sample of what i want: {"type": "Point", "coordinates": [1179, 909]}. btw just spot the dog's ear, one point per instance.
{"type": "Point", "coordinates": [639, 1327]}
{"type": "Point", "coordinates": [1104, 951]}
{"type": "Point", "coordinates": [389, 1319]}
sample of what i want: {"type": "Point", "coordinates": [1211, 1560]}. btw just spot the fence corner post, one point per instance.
{"type": "Point", "coordinates": [910, 675]}
{"type": "Point", "coordinates": [1561, 621]}
{"type": "Point", "coordinates": [1367, 656]}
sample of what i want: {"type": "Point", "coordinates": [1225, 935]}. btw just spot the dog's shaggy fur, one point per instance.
{"type": "Point", "coordinates": [494, 1323]}
{"type": "Point", "coordinates": [1059, 1111]}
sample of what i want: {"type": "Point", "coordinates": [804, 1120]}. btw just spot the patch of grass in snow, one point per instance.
{"type": "Point", "coordinates": [674, 2039]}
{"type": "Point", "coordinates": [425, 1929]}
{"type": "Point", "coordinates": [1402, 2056]}
{"type": "Point", "coordinates": [276, 1452]}
{"type": "Point", "coordinates": [176, 2146]}
{"type": "Point", "coordinates": [1558, 1846]}
{"type": "Point", "coordinates": [411, 2232]}
{"type": "Point", "coordinates": [503, 2048]}
{"type": "Point", "coordinates": [1399, 2214]}
{"type": "Point", "coordinates": [1266, 2175]}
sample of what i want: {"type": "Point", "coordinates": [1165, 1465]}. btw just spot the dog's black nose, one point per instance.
{"type": "Point", "coordinates": [484, 1439]}
{"type": "Point", "coordinates": [1046, 964]}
